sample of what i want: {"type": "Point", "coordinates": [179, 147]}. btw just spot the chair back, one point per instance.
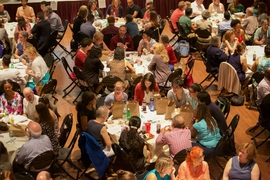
{"type": "Point", "coordinates": [162, 25]}
{"type": "Point", "coordinates": [24, 176]}
{"type": "Point", "coordinates": [49, 88]}
{"type": "Point", "coordinates": [33, 41]}
{"type": "Point", "coordinates": [204, 59]}
{"type": "Point", "coordinates": [81, 36]}
{"type": "Point", "coordinates": [155, 34]}
{"type": "Point", "coordinates": [265, 108]}
{"type": "Point", "coordinates": [109, 82]}
{"type": "Point", "coordinates": [219, 147]}
{"type": "Point", "coordinates": [107, 39]}
{"type": "Point", "coordinates": [67, 68]}
{"type": "Point", "coordinates": [203, 33]}
{"type": "Point", "coordinates": [233, 125]}
{"type": "Point", "coordinates": [171, 26]}
{"type": "Point", "coordinates": [71, 28]}
{"type": "Point", "coordinates": [51, 41]}
{"type": "Point", "coordinates": [136, 40]}
{"type": "Point", "coordinates": [257, 77]}
{"type": "Point", "coordinates": [180, 156]}
{"type": "Point", "coordinates": [224, 104]}
{"type": "Point", "coordinates": [181, 30]}
{"type": "Point", "coordinates": [141, 174]}
{"type": "Point", "coordinates": [65, 129]}
{"type": "Point", "coordinates": [42, 161]}
{"type": "Point", "coordinates": [177, 55]}
{"type": "Point", "coordinates": [48, 58]}
{"type": "Point", "coordinates": [81, 78]}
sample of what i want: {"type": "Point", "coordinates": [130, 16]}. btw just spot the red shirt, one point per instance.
{"type": "Point", "coordinates": [79, 59]}
{"type": "Point", "coordinates": [116, 39]}
{"type": "Point", "coordinates": [171, 55]}
{"type": "Point", "coordinates": [177, 13]}
{"type": "Point", "coordinates": [139, 93]}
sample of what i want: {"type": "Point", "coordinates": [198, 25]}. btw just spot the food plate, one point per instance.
{"type": "Point", "coordinates": [148, 136]}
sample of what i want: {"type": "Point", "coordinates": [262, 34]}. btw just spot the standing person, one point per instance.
{"type": "Point", "coordinates": [216, 7]}
{"type": "Point", "coordinates": [88, 28]}
{"type": "Point", "coordinates": [122, 39]}
{"type": "Point", "coordinates": [82, 53]}
{"type": "Point", "coordinates": [4, 14]}
{"type": "Point", "coordinates": [134, 9]}
{"type": "Point", "coordinates": [197, 7]}
{"type": "Point", "coordinates": [25, 11]}
{"type": "Point", "coordinates": [243, 166]}
{"type": "Point", "coordinates": [93, 67]}
{"type": "Point", "coordinates": [164, 170]}
{"type": "Point", "coordinates": [164, 39]}
{"type": "Point", "coordinates": [159, 63]}
{"type": "Point", "coordinates": [21, 27]}
{"type": "Point", "coordinates": [145, 89]}
{"type": "Point", "coordinates": [38, 70]}
{"type": "Point", "coordinates": [115, 9]}
{"type": "Point", "coordinates": [194, 167]}
{"type": "Point", "coordinates": [132, 27]}
{"type": "Point", "coordinates": [236, 7]}
{"type": "Point", "coordinates": [93, 9]}
{"type": "Point", "coordinates": [86, 109]}
{"type": "Point", "coordinates": [178, 13]}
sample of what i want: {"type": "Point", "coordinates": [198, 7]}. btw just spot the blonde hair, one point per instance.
{"type": "Point", "coordinates": [125, 175]}
{"type": "Point", "coordinates": [114, 1]}
{"type": "Point", "coordinates": [120, 83]}
{"type": "Point", "coordinates": [251, 150]}
{"type": "Point", "coordinates": [227, 35]}
{"type": "Point", "coordinates": [181, 4]}
{"type": "Point", "coordinates": [163, 163]}
{"type": "Point", "coordinates": [83, 11]}
{"type": "Point", "coordinates": [31, 50]}
{"type": "Point", "coordinates": [27, 45]}
{"type": "Point", "coordinates": [98, 36]}
{"type": "Point", "coordinates": [188, 4]}
{"type": "Point", "coordinates": [160, 50]}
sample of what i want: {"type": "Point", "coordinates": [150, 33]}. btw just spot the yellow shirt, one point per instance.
{"type": "Point", "coordinates": [26, 12]}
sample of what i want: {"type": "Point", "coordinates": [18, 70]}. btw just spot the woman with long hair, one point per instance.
{"type": "Point", "coordinates": [98, 41]}
{"type": "Point", "coordinates": [134, 144]}
{"type": "Point", "coordinates": [82, 53]}
{"type": "Point", "coordinates": [159, 64]}
{"type": "Point", "coordinates": [46, 121]}
{"type": "Point", "coordinates": [145, 89]}
{"type": "Point", "coordinates": [79, 20]}
{"type": "Point", "coordinates": [21, 27]}
{"type": "Point", "coordinates": [153, 21]}
{"type": "Point", "coordinates": [229, 42]}
{"type": "Point", "coordinates": [115, 9]}
{"type": "Point", "coordinates": [205, 129]}
{"type": "Point", "coordinates": [11, 102]}
{"type": "Point", "coordinates": [23, 36]}
{"type": "Point", "coordinates": [86, 109]}
{"type": "Point", "coordinates": [194, 167]}
{"type": "Point", "coordinates": [93, 9]}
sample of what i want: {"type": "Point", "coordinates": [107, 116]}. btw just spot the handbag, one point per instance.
{"type": "Point", "coordinates": [237, 100]}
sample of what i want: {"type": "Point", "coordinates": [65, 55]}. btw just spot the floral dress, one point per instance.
{"type": "Point", "coordinates": [13, 106]}
{"type": "Point", "coordinates": [50, 132]}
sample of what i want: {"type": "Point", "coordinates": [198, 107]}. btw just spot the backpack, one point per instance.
{"type": "Point", "coordinates": [221, 103]}
{"type": "Point", "coordinates": [183, 48]}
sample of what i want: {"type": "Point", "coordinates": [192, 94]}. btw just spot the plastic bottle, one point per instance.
{"type": "Point", "coordinates": [158, 127]}
{"type": "Point", "coordinates": [152, 104]}
{"type": "Point", "coordinates": [11, 134]}
{"type": "Point", "coordinates": [143, 128]}
{"type": "Point", "coordinates": [125, 111]}
{"type": "Point", "coordinates": [144, 105]}
{"type": "Point", "coordinates": [128, 114]}
{"type": "Point", "coordinates": [254, 56]}
{"type": "Point", "coordinates": [11, 65]}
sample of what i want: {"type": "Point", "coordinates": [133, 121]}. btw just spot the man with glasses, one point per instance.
{"type": "Point", "coordinates": [117, 95]}
{"type": "Point", "coordinates": [29, 103]}
{"type": "Point", "coordinates": [262, 34]}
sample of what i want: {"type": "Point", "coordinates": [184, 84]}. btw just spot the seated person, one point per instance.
{"type": "Point", "coordinates": [93, 9]}
{"type": "Point", "coordinates": [262, 12]}
{"type": "Point", "coordinates": [10, 73]}
{"type": "Point", "coordinates": [98, 41]}
{"type": "Point", "coordinates": [239, 62]}
{"type": "Point", "coordinates": [216, 7]}
{"type": "Point", "coordinates": [215, 56]}
{"type": "Point", "coordinates": [79, 20]}
{"type": "Point", "coordinates": [54, 20]}
{"type": "Point", "coordinates": [132, 27]}
{"type": "Point", "coordinates": [44, 174]}
{"type": "Point", "coordinates": [178, 13]}
{"type": "Point", "coordinates": [97, 129]}
{"type": "Point", "coordinates": [119, 66]}
{"type": "Point", "coordinates": [133, 9]}
{"type": "Point", "coordinates": [25, 11]}
{"type": "Point", "coordinates": [163, 170]}
{"type": "Point", "coordinates": [37, 144]}
{"type": "Point", "coordinates": [93, 67]}
{"type": "Point", "coordinates": [216, 113]}
{"type": "Point", "coordinates": [3, 36]}
{"type": "Point", "coordinates": [197, 7]}
{"type": "Point", "coordinates": [264, 86]}
{"type": "Point", "coordinates": [238, 31]}
{"type": "Point", "coordinates": [111, 29]}
{"type": "Point", "coordinates": [205, 129]}
{"type": "Point", "coordinates": [145, 89]}
{"type": "Point", "coordinates": [121, 174]}
{"type": "Point", "coordinates": [87, 27]}
{"type": "Point", "coordinates": [194, 167]}
{"type": "Point", "coordinates": [117, 95]}
{"type": "Point", "coordinates": [115, 9]}
{"type": "Point", "coordinates": [164, 39]}
{"type": "Point", "coordinates": [4, 13]}
{"type": "Point", "coordinates": [22, 26]}
{"type": "Point", "coordinates": [177, 136]}
{"type": "Point", "coordinates": [82, 53]}
{"type": "Point", "coordinates": [262, 34]}
{"type": "Point", "coordinates": [243, 166]}
{"type": "Point", "coordinates": [249, 23]}
{"type": "Point", "coordinates": [229, 42]}
{"type": "Point", "coordinates": [186, 23]}
{"type": "Point", "coordinates": [148, 5]}
{"type": "Point", "coordinates": [146, 43]}
{"type": "Point", "coordinates": [10, 101]}
{"type": "Point", "coordinates": [153, 22]}
{"type": "Point", "coordinates": [224, 25]}
{"type": "Point", "coordinates": [178, 93]}
{"type": "Point", "coordinates": [194, 89]}
{"type": "Point", "coordinates": [159, 64]}
{"type": "Point", "coordinates": [260, 64]}
{"type": "Point", "coordinates": [236, 7]}
{"type": "Point", "coordinates": [122, 39]}
{"type": "Point", "coordinates": [134, 144]}
{"type": "Point", "coordinates": [86, 109]}
{"type": "Point", "coordinates": [204, 23]}
{"type": "Point", "coordinates": [23, 36]}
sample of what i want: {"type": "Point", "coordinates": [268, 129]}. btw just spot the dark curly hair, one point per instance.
{"type": "Point", "coordinates": [132, 135]}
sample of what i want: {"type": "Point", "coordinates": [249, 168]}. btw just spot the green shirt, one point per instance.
{"type": "Point", "coordinates": [185, 22]}
{"type": "Point", "coordinates": [235, 9]}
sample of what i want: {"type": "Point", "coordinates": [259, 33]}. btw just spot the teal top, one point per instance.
{"type": "Point", "coordinates": [166, 177]}
{"type": "Point", "coordinates": [193, 102]}
{"type": "Point", "coordinates": [262, 65]}
{"type": "Point", "coordinates": [205, 136]}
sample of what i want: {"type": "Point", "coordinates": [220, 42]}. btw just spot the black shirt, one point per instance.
{"type": "Point", "coordinates": [133, 9]}
{"type": "Point", "coordinates": [90, 114]}
{"type": "Point", "coordinates": [91, 69]}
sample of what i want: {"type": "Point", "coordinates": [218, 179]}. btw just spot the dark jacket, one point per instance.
{"type": "Point", "coordinates": [42, 31]}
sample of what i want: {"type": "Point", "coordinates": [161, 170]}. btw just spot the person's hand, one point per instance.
{"type": "Point", "coordinates": [172, 172]}
{"type": "Point", "coordinates": [235, 39]}
{"type": "Point", "coordinates": [17, 126]}
{"type": "Point", "coordinates": [24, 61]}
{"type": "Point", "coordinates": [27, 70]}
{"type": "Point", "coordinates": [163, 130]}
{"type": "Point", "coordinates": [145, 40]}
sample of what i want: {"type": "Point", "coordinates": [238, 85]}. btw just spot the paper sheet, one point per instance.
{"type": "Point", "coordinates": [54, 5]}
{"type": "Point", "coordinates": [101, 4]}
{"type": "Point", "coordinates": [114, 130]}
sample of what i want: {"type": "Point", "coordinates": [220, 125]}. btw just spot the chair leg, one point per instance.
{"type": "Point", "coordinates": [254, 128]}
{"type": "Point", "coordinates": [209, 75]}
{"type": "Point", "coordinates": [258, 145]}
{"type": "Point", "coordinates": [75, 100]}
{"type": "Point", "coordinates": [259, 133]}
{"type": "Point", "coordinates": [66, 93]}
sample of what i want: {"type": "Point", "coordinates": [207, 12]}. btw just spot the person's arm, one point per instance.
{"type": "Point", "coordinates": [227, 170]}
{"type": "Point", "coordinates": [222, 8]}
{"type": "Point", "coordinates": [244, 24]}
{"type": "Point", "coordinates": [231, 49]}
{"type": "Point", "coordinates": [151, 66]}
{"type": "Point", "coordinates": [256, 38]}
{"type": "Point", "coordinates": [181, 171]}
{"type": "Point", "coordinates": [255, 173]}
{"type": "Point", "coordinates": [21, 78]}
{"type": "Point", "coordinates": [84, 121]}
{"type": "Point", "coordinates": [137, 94]}
{"type": "Point", "coordinates": [53, 23]}
{"type": "Point", "coordinates": [193, 131]}
{"type": "Point", "coordinates": [135, 14]}
{"type": "Point", "coordinates": [243, 35]}
{"type": "Point", "coordinates": [108, 12]}
{"type": "Point", "coordinates": [32, 13]}
{"type": "Point", "coordinates": [130, 67]}
{"type": "Point", "coordinates": [254, 65]}
{"type": "Point", "coordinates": [243, 61]}
{"type": "Point", "coordinates": [206, 172]}
{"type": "Point", "coordinates": [8, 16]}
{"type": "Point", "coordinates": [17, 14]}
{"type": "Point", "coordinates": [19, 105]}
{"type": "Point", "coordinates": [140, 46]}
{"type": "Point", "coordinates": [106, 137]}
{"type": "Point", "coordinates": [121, 12]}
{"type": "Point", "coordinates": [130, 45]}
{"type": "Point", "coordinates": [100, 14]}
{"type": "Point", "coordinates": [161, 140]}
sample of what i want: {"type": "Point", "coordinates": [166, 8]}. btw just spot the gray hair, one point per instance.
{"type": "Point", "coordinates": [249, 11]}
{"type": "Point", "coordinates": [101, 111]}
{"type": "Point", "coordinates": [34, 133]}
{"type": "Point", "coordinates": [24, 34]}
{"type": "Point", "coordinates": [119, 53]}
{"type": "Point", "coordinates": [178, 121]}
{"type": "Point", "coordinates": [215, 40]}
{"type": "Point", "coordinates": [264, 21]}
{"type": "Point", "coordinates": [49, 9]}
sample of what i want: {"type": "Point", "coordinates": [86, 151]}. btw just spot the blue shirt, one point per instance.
{"type": "Point", "coordinates": [20, 48]}
{"type": "Point", "coordinates": [224, 26]}
{"type": "Point", "coordinates": [88, 29]}
{"type": "Point", "coordinates": [132, 29]}
{"type": "Point", "coordinates": [205, 136]}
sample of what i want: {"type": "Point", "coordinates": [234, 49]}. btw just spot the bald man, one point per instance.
{"type": "Point", "coordinates": [264, 86]}
{"type": "Point", "coordinates": [177, 136]}
{"type": "Point", "coordinates": [36, 145]}
{"type": "Point", "coordinates": [249, 23]}
{"type": "Point", "coordinates": [29, 103]}
{"type": "Point", "coordinates": [44, 175]}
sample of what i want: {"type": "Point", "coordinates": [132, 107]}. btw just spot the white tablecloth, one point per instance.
{"type": "Point", "coordinates": [20, 139]}
{"type": "Point", "coordinates": [250, 50]}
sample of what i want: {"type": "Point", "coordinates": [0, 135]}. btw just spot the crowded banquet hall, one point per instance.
{"type": "Point", "coordinates": [96, 89]}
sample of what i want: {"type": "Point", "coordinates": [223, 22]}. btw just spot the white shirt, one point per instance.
{"type": "Point", "coordinates": [197, 9]}
{"type": "Point", "coordinates": [263, 89]}
{"type": "Point", "coordinates": [14, 75]}
{"type": "Point", "coordinates": [30, 108]}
